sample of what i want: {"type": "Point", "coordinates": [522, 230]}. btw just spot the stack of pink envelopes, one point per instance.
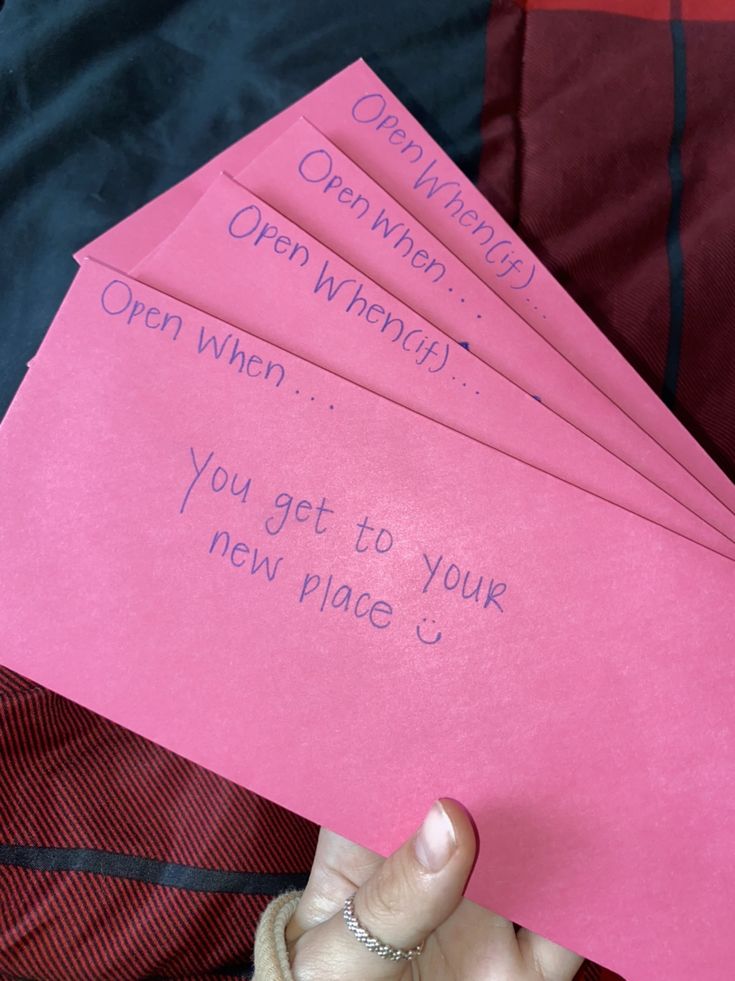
{"type": "Point", "coordinates": [314, 432]}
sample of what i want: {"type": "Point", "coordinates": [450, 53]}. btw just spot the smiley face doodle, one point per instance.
{"type": "Point", "coordinates": [434, 640]}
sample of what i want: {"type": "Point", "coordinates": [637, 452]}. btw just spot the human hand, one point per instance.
{"type": "Point", "coordinates": [413, 896]}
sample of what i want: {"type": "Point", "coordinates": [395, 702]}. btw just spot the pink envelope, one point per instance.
{"type": "Point", "coordinates": [364, 119]}
{"type": "Point", "coordinates": [242, 261]}
{"type": "Point", "coordinates": [308, 179]}
{"type": "Point", "coordinates": [351, 610]}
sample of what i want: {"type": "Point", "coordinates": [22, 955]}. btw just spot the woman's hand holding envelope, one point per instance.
{"type": "Point", "coordinates": [410, 898]}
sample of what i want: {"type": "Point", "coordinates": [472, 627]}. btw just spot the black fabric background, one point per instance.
{"type": "Point", "coordinates": [106, 103]}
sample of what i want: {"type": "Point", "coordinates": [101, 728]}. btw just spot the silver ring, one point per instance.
{"type": "Point", "coordinates": [372, 943]}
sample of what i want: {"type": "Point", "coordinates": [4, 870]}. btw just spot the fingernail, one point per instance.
{"type": "Point", "coordinates": [435, 842]}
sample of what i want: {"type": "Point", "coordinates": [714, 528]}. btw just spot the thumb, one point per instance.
{"type": "Point", "coordinates": [412, 893]}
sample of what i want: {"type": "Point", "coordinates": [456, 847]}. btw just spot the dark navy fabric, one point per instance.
{"type": "Point", "coordinates": [105, 104]}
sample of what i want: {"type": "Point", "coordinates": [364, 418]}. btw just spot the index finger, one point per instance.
{"type": "Point", "coordinates": [340, 868]}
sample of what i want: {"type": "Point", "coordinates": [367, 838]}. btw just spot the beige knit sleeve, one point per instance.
{"type": "Point", "coordinates": [270, 955]}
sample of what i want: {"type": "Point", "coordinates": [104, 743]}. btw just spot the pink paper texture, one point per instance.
{"type": "Point", "coordinates": [244, 262]}
{"type": "Point", "coordinates": [308, 179]}
{"type": "Point", "coordinates": [587, 724]}
{"type": "Point", "coordinates": [363, 118]}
